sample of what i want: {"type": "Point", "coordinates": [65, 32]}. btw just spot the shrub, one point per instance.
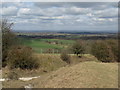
{"type": "Point", "coordinates": [78, 48]}
{"type": "Point", "coordinates": [114, 48]}
{"type": "Point", "coordinates": [65, 57]}
{"type": "Point", "coordinates": [102, 51]}
{"type": "Point", "coordinates": [8, 39]}
{"type": "Point", "coordinates": [21, 57]}
{"type": "Point", "coordinates": [13, 75]}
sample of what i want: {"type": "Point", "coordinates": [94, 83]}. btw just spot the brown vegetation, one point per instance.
{"type": "Point", "coordinates": [106, 50]}
{"type": "Point", "coordinates": [78, 48]}
{"type": "Point", "coordinates": [21, 57]}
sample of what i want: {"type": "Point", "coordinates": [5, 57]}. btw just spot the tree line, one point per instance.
{"type": "Point", "coordinates": [103, 50]}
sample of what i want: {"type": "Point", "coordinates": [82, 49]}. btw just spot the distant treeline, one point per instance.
{"type": "Point", "coordinates": [88, 32]}
{"type": "Point", "coordinates": [71, 37]}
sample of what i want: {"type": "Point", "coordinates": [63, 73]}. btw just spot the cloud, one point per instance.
{"type": "Point", "coordinates": [107, 13]}
{"type": "Point", "coordinates": [24, 11]}
{"type": "Point", "coordinates": [9, 11]}
{"type": "Point", "coordinates": [94, 5]}
{"type": "Point", "coordinates": [65, 16]}
{"type": "Point", "coordinates": [48, 4]}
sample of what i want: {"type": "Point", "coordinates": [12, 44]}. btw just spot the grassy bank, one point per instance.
{"type": "Point", "coordinates": [48, 63]}
{"type": "Point", "coordinates": [88, 74]}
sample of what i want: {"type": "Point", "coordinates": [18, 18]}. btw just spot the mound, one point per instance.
{"type": "Point", "coordinates": [83, 75]}
{"type": "Point", "coordinates": [88, 74]}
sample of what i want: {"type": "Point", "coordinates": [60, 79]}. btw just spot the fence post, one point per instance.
{"type": "Point", "coordinates": [53, 51]}
{"type": "Point", "coordinates": [41, 50]}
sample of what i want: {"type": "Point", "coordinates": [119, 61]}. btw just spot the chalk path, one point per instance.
{"type": "Point", "coordinates": [22, 79]}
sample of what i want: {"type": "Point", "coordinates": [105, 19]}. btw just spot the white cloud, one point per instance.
{"type": "Point", "coordinates": [9, 11]}
{"type": "Point", "coordinates": [64, 16]}
{"type": "Point", "coordinates": [24, 11]}
{"type": "Point", "coordinates": [107, 13]}
{"type": "Point", "coordinates": [60, 0]}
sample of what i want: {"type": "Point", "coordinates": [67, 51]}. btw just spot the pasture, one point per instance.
{"type": "Point", "coordinates": [47, 45]}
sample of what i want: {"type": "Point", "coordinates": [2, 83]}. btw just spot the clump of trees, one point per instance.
{"type": "Point", "coordinates": [105, 50]}
{"type": "Point", "coordinates": [113, 44]}
{"type": "Point", "coordinates": [15, 55]}
{"type": "Point", "coordinates": [78, 48]}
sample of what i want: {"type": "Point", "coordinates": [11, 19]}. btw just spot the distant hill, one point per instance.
{"type": "Point", "coordinates": [67, 31]}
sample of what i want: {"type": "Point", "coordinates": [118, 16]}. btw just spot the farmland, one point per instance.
{"type": "Point", "coordinates": [54, 42]}
{"type": "Point", "coordinates": [42, 45]}
{"type": "Point", "coordinates": [56, 73]}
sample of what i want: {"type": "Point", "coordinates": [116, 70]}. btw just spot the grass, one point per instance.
{"type": "Point", "coordinates": [59, 41]}
{"type": "Point", "coordinates": [83, 75]}
{"type": "Point", "coordinates": [55, 73]}
{"type": "Point", "coordinates": [41, 45]}
{"type": "Point", "coordinates": [48, 63]}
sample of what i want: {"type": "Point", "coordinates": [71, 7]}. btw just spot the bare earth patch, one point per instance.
{"type": "Point", "coordinates": [89, 74]}
{"type": "Point", "coordinates": [83, 75]}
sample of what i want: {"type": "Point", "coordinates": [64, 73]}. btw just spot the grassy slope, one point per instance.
{"type": "Point", "coordinates": [38, 44]}
{"type": "Point", "coordinates": [48, 62]}
{"type": "Point", "coordinates": [83, 75]}
{"type": "Point", "coordinates": [89, 74]}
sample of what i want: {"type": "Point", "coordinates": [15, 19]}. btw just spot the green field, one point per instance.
{"type": "Point", "coordinates": [41, 45]}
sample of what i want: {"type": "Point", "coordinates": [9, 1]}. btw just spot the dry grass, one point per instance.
{"type": "Point", "coordinates": [55, 73]}
{"type": "Point", "coordinates": [48, 62]}
{"type": "Point", "coordinates": [82, 75]}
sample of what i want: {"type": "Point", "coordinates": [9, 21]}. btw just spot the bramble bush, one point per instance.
{"type": "Point", "coordinates": [65, 57]}
{"type": "Point", "coordinates": [21, 57]}
{"type": "Point", "coordinates": [8, 39]}
{"type": "Point", "coordinates": [102, 51]}
{"type": "Point", "coordinates": [114, 48]}
{"type": "Point", "coordinates": [78, 48]}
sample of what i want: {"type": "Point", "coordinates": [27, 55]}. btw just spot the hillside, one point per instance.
{"type": "Point", "coordinates": [88, 74]}
{"type": "Point", "coordinates": [82, 75]}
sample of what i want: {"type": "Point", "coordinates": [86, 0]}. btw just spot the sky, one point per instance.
{"type": "Point", "coordinates": [62, 16]}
